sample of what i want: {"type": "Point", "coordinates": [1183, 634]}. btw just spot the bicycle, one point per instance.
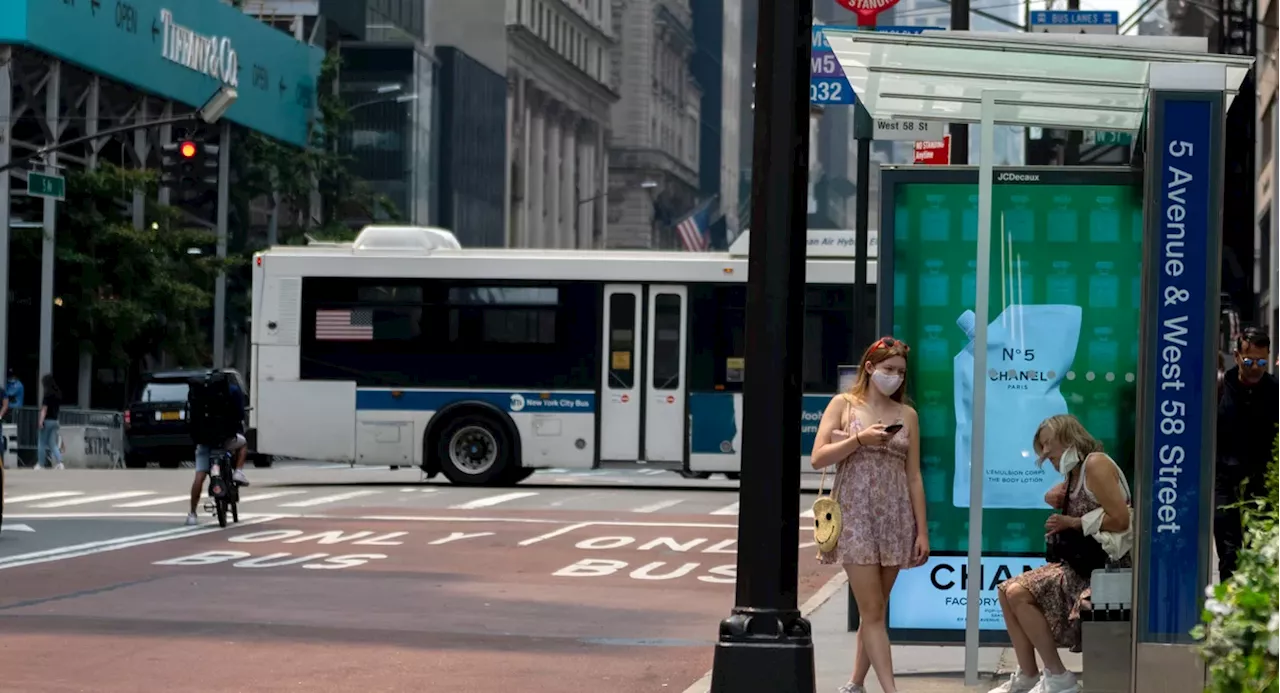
{"type": "Point", "coordinates": [224, 489]}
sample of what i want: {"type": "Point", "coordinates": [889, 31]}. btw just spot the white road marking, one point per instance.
{"type": "Point", "coordinates": [327, 499]}
{"type": "Point", "coordinates": [554, 534]}
{"type": "Point", "coordinates": [268, 496]}
{"type": "Point", "coordinates": [492, 500]}
{"type": "Point", "coordinates": [731, 509]}
{"type": "Point", "coordinates": [94, 499]}
{"type": "Point", "coordinates": [121, 543]}
{"type": "Point", "coordinates": [16, 528]}
{"type": "Point", "coordinates": [154, 501]}
{"type": "Point", "coordinates": [393, 518]}
{"type": "Point", "coordinates": [808, 513]}
{"type": "Point", "coordinates": [655, 507]}
{"type": "Point", "coordinates": [41, 496]}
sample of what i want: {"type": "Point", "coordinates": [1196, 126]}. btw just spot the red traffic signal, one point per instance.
{"type": "Point", "coordinates": [187, 149]}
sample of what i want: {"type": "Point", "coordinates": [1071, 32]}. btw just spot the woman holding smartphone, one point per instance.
{"type": "Point", "coordinates": [872, 436]}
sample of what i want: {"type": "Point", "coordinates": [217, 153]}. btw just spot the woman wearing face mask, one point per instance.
{"type": "Point", "coordinates": [1042, 607]}
{"type": "Point", "coordinates": [873, 438]}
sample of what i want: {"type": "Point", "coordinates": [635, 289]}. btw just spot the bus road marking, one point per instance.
{"type": "Point", "coordinates": [154, 501]}
{"type": "Point", "coordinates": [42, 496]}
{"type": "Point", "coordinates": [268, 496]}
{"type": "Point", "coordinates": [554, 533]}
{"type": "Point", "coordinates": [327, 499]}
{"type": "Point", "coordinates": [492, 500]}
{"type": "Point", "coordinates": [660, 505]}
{"type": "Point", "coordinates": [731, 509]}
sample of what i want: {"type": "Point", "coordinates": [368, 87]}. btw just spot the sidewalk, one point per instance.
{"type": "Point", "coordinates": [918, 668]}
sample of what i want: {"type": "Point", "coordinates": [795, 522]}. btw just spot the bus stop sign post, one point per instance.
{"type": "Point", "coordinates": [1177, 384]}
{"type": "Point", "coordinates": [765, 644]}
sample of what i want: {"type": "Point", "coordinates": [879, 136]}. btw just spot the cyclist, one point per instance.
{"type": "Point", "coordinates": [205, 454]}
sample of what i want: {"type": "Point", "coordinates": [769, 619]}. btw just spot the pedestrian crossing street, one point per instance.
{"type": "Point", "coordinates": [415, 498]}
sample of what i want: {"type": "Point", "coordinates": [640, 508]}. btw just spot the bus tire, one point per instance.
{"type": "Point", "coordinates": [516, 475]}
{"type": "Point", "coordinates": [475, 450]}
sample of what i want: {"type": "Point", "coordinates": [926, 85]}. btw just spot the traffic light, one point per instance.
{"type": "Point", "coordinates": [189, 166]}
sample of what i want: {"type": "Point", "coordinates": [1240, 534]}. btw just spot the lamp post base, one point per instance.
{"type": "Point", "coordinates": [764, 651]}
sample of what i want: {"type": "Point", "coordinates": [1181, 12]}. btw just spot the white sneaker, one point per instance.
{"type": "Point", "coordinates": [191, 520]}
{"type": "Point", "coordinates": [1057, 683]}
{"type": "Point", "coordinates": [1018, 683]}
{"type": "Point", "coordinates": [239, 477]}
{"type": "Point", "coordinates": [852, 687]}
{"type": "Point", "coordinates": [59, 466]}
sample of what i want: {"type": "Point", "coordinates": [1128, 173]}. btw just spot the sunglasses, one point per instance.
{"type": "Point", "coordinates": [889, 343]}
{"type": "Point", "coordinates": [1250, 363]}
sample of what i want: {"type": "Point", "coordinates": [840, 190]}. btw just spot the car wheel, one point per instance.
{"type": "Point", "coordinates": [694, 475]}
{"type": "Point", "coordinates": [262, 461]}
{"type": "Point", "coordinates": [475, 450]}
{"type": "Point", "coordinates": [133, 461]}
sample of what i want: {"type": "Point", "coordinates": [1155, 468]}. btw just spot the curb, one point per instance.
{"type": "Point", "coordinates": [824, 594]}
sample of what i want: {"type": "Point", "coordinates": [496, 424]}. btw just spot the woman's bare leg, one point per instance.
{"type": "Point", "coordinates": [1022, 647]}
{"type": "Point", "coordinates": [862, 663]}
{"type": "Point", "coordinates": [869, 593]}
{"type": "Point", "coordinates": [1033, 623]}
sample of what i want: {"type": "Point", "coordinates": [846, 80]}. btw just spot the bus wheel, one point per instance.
{"type": "Point", "coordinates": [516, 475]}
{"type": "Point", "coordinates": [694, 475]}
{"type": "Point", "coordinates": [475, 450]}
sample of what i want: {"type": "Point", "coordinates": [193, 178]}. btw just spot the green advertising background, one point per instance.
{"type": "Point", "coordinates": [1078, 241]}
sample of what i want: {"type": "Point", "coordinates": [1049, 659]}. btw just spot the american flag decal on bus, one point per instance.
{"type": "Point", "coordinates": [344, 325]}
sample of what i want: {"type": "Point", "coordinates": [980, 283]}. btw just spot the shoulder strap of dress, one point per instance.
{"type": "Point", "coordinates": [1124, 483]}
{"type": "Point", "coordinates": [844, 415]}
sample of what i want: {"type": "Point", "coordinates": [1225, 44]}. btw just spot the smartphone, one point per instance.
{"type": "Point", "coordinates": [893, 428]}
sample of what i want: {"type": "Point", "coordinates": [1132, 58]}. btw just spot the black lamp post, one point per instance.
{"type": "Point", "coordinates": [765, 646]}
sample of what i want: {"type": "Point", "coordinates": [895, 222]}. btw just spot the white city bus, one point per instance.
{"type": "Point", "coordinates": [404, 349]}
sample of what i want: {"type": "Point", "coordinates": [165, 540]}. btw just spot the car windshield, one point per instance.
{"type": "Point", "coordinates": [164, 392]}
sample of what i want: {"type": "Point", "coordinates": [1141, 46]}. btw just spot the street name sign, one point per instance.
{"type": "Point", "coordinates": [909, 130]}
{"type": "Point", "coordinates": [45, 185]}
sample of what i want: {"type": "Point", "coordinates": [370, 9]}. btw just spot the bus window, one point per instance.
{"type": "Point", "coordinates": [666, 342]}
{"type": "Point", "coordinates": [622, 319]}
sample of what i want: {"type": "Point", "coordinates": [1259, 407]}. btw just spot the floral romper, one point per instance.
{"type": "Point", "coordinates": [1057, 589]}
{"type": "Point", "coordinates": [878, 526]}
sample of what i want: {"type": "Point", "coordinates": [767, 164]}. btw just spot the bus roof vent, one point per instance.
{"type": "Point", "coordinates": [405, 238]}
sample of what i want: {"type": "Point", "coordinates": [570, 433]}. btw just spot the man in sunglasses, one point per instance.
{"type": "Point", "coordinates": [1247, 412]}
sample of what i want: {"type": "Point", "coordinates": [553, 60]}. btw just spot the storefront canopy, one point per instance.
{"type": "Point", "coordinates": [1082, 82]}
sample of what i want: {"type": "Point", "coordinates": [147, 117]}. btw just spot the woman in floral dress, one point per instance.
{"type": "Point", "coordinates": [1042, 606]}
{"type": "Point", "coordinates": [872, 437]}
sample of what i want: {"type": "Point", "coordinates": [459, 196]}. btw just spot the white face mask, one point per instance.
{"type": "Point", "coordinates": [886, 383]}
{"type": "Point", "coordinates": [1069, 460]}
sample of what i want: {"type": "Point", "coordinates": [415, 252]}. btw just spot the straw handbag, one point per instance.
{"type": "Point", "coordinates": [826, 511]}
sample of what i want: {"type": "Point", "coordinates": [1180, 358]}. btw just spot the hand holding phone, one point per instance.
{"type": "Point", "coordinates": [892, 429]}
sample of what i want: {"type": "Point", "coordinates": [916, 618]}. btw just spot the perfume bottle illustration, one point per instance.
{"type": "Point", "coordinates": [1104, 221]}
{"type": "Point", "coordinates": [1020, 222]}
{"type": "Point", "coordinates": [933, 285]}
{"type": "Point", "coordinates": [1064, 222]}
{"type": "Point", "coordinates": [969, 221]}
{"type": "Point", "coordinates": [933, 415]}
{"type": "Point", "coordinates": [969, 286]}
{"type": "Point", "coordinates": [900, 284]}
{"type": "Point", "coordinates": [1101, 417]}
{"type": "Point", "coordinates": [1103, 352]}
{"type": "Point", "coordinates": [1104, 287]}
{"type": "Point", "coordinates": [1136, 292]}
{"type": "Point", "coordinates": [902, 222]}
{"type": "Point", "coordinates": [933, 350]}
{"type": "Point", "coordinates": [1019, 283]}
{"type": "Point", "coordinates": [1138, 229]}
{"type": "Point", "coordinates": [1015, 537]}
{"type": "Point", "coordinates": [1060, 287]}
{"type": "Point", "coordinates": [935, 220]}
{"type": "Point", "coordinates": [935, 477]}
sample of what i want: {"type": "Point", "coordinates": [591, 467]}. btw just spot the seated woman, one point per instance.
{"type": "Point", "coordinates": [1042, 607]}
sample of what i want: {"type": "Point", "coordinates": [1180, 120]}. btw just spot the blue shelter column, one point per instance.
{"type": "Point", "coordinates": [1186, 113]}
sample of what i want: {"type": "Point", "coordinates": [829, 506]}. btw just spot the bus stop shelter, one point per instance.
{"type": "Point", "coordinates": [1172, 96]}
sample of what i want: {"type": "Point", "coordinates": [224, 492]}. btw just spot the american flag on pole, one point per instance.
{"type": "Point", "coordinates": [695, 230]}
{"type": "Point", "coordinates": [345, 325]}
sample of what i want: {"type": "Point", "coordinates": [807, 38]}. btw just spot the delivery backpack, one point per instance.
{"type": "Point", "coordinates": [212, 409]}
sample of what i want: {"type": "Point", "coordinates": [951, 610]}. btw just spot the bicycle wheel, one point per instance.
{"type": "Point", "coordinates": [221, 508]}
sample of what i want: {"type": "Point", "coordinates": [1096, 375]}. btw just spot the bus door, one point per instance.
{"type": "Point", "coordinates": [621, 379]}
{"type": "Point", "coordinates": [665, 434]}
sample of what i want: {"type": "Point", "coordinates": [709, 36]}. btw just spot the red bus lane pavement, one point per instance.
{"type": "Point", "coordinates": [467, 604]}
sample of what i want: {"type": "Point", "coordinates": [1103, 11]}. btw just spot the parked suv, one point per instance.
{"type": "Point", "coordinates": [155, 424]}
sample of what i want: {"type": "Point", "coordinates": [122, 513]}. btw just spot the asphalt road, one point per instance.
{"type": "Point", "coordinates": [368, 580]}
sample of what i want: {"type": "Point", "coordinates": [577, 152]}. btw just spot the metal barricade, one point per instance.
{"type": "Point", "coordinates": [90, 438]}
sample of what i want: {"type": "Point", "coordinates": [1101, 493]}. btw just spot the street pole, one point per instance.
{"type": "Point", "coordinates": [766, 645]}
{"type": "Point", "coordinates": [959, 131]}
{"type": "Point", "coordinates": [1075, 138]}
{"type": "Point", "coordinates": [220, 284]}
{"type": "Point", "coordinates": [6, 132]}
{"type": "Point", "coordinates": [53, 109]}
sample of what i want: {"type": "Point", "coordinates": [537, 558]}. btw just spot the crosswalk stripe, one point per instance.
{"type": "Point", "coordinates": [41, 496]}
{"type": "Point", "coordinates": [153, 501]}
{"type": "Point", "coordinates": [492, 500]}
{"type": "Point", "coordinates": [268, 496]}
{"type": "Point", "coordinates": [655, 507]}
{"type": "Point", "coordinates": [327, 499]}
{"type": "Point", "coordinates": [808, 513]}
{"type": "Point", "coordinates": [731, 509]}
{"type": "Point", "coordinates": [94, 499]}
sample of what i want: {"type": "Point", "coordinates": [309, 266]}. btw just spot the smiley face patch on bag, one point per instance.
{"type": "Point", "coordinates": [826, 523]}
